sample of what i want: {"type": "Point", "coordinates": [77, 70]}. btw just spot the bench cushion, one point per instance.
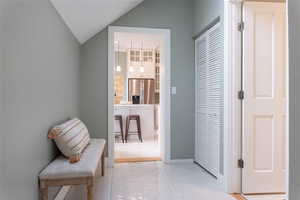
{"type": "Point", "coordinates": [61, 168]}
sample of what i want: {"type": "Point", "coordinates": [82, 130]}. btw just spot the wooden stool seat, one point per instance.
{"type": "Point", "coordinates": [138, 123]}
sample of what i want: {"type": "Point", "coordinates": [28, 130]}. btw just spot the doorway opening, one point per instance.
{"type": "Point", "coordinates": [256, 127]}
{"type": "Point", "coordinates": [139, 96]}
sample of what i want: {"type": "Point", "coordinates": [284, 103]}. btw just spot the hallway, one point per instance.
{"type": "Point", "coordinates": [154, 181]}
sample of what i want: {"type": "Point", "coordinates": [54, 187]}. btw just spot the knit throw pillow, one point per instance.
{"type": "Point", "coordinates": [71, 138]}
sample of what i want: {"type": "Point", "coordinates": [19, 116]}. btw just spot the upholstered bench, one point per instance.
{"type": "Point", "coordinates": [61, 172]}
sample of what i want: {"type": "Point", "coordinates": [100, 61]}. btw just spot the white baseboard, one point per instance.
{"type": "Point", "coordinates": [63, 192]}
{"type": "Point", "coordinates": [182, 161]}
{"type": "Point", "coordinates": [106, 161]}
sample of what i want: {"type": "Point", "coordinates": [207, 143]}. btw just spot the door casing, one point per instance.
{"type": "Point", "coordinates": [165, 98]}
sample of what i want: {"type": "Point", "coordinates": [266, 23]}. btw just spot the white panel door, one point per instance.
{"type": "Point", "coordinates": [264, 106]}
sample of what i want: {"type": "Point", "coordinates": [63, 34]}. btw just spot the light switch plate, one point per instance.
{"type": "Point", "coordinates": [174, 90]}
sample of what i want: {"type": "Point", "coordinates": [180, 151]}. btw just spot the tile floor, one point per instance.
{"type": "Point", "coordinates": [154, 181]}
{"type": "Point", "coordinates": [136, 149]}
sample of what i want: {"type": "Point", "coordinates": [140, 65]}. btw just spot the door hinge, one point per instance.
{"type": "Point", "coordinates": [241, 26]}
{"type": "Point", "coordinates": [241, 94]}
{"type": "Point", "coordinates": [241, 163]}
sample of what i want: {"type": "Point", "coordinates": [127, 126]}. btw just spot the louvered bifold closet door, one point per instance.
{"type": "Point", "coordinates": [201, 101]}
{"type": "Point", "coordinates": [215, 98]}
{"type": "Point", "coordinates": [209, 100]}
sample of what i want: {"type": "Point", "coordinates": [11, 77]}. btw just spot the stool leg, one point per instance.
{"type": "Point", "coordinates": [102, 165]}
{"type": "Point", "coordinates": [121, 127]}
{"type": "Point", "coordinates": [127, 128]}
{"type": "Point", "coordinates": [139, 129]}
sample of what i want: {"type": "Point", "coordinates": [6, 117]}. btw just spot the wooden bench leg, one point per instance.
{"type": "Point", "coordinates": [90, 192]}
{"type": "Point", "coordinates": [44, 193]}
{"type": "Point", "coordinates": [102, 164]}
{"type": "Point", "coordinates": [44, 190]}
{"type": "Point", "coordinates": [90, 189]}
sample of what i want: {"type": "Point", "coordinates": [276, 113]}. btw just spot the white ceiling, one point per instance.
{"type": "Point", "coordinates": [86, 18]}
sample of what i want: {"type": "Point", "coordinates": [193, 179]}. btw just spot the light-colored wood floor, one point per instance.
{"type": "Point", "coordinates": [238, 196]}
{"type": "Point", "coordinates": [127, 160]}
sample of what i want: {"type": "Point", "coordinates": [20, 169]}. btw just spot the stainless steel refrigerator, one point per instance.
{"type": "Point", "coordinates": [141, 91]}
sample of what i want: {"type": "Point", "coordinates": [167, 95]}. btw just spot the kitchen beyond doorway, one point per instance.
{"type": "Point", "coordinates": [140, 102]}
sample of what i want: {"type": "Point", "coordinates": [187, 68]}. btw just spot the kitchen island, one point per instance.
{"type": "Point", "coordinates": [147, 115]}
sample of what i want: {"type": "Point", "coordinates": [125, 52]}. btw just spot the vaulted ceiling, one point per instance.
{"type": "Point", "coordinates": [86, 18]}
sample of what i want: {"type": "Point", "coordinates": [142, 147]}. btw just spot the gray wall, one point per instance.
{"type": "Point", "coordinates": [294, 49]}
{"type": "Point", "coordinates": [175, 15]}
{"type": "Point", "coordinates": [40, 88]}
{"type": "Point", "coordinates": [1, 102]}
{"type": "Point", "coordinates": [206, 11]}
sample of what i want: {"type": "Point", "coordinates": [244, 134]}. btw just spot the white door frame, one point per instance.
{"type": "Point", "coordinates": [232, 108]}
{"type": "Point", "coordinates": [165, 97]}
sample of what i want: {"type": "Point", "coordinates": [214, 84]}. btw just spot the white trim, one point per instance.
{"type": "Point", "coordinates": [232, 110]}
{"type": "Point", "coordinates": [106, 162]}
{"type": "Point", "coordinates": [166, 93]}
{"type": "Point", "coordinates": [288, 103]}
{"type": "Point", "coordinates": [232, 106]}
{"type": "Point", "coordinates": [110, 97]}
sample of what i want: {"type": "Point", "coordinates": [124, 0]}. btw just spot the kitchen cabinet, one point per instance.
{"type": "Point", "coordinates": [141, 63]}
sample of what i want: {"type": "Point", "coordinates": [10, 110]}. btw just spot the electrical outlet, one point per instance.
{"type": "Point", "coordinates": [174, 90]}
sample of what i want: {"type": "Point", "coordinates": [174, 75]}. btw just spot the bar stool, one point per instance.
{"type": "Point", "coordinates": [120, 119]}
{"type": "Point", "coordinates": [138, 123]}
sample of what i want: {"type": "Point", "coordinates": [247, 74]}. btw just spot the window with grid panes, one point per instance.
{"type": "Point", "coordinates": [135, 55]}
{"type": "Point", "coordinates": [147, 56]}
